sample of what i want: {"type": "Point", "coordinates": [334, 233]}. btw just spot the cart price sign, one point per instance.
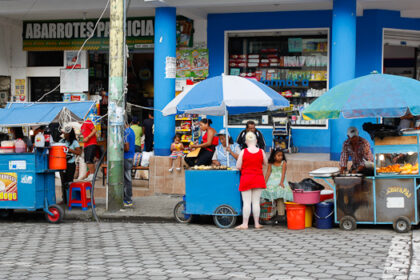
{"type": "Point", "coordinates": [8, 187]}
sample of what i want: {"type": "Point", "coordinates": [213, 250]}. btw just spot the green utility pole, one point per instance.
{"type": "Point", "coordinates": [116, 106]}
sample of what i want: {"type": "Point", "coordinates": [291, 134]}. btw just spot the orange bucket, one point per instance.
{"type": "Point", "coordinates": [57, 158]}
{"type": "Point", "coordinates": [295, 215]}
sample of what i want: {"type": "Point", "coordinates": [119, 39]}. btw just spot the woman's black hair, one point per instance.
{"type": "Point", "coordinates": [206, 121]}
{"type": "Point", "coordinates": [18, 132]}
{"type": "Point", "coordinates": [177, 135]}
{"type": "Point", "coordinates": [273, 154]}
{"type": "Point", "coordinates": [72, 136]}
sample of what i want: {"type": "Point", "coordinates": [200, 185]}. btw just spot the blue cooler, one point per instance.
{"type": "Point", "coordinates": [324, 215]}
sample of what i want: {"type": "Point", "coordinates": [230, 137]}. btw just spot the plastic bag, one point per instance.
{"type": "Point", "coordinates": [306, 185]}
{"type": "Point", "coordinates": [145, 159]}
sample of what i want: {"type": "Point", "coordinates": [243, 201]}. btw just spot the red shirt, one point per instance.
{"type": "Point", "coordinates": [252, 176]}
{"type": "Point", "coordinates": [86, 129]}
{"type": "Point", "coordinates": [214, 142]}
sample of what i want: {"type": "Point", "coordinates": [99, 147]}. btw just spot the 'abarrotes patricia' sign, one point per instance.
{"type": "Point", "coordinates": [70, 34]}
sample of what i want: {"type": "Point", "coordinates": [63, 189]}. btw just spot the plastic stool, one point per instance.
{"type": "Point", "coordinates": [78, 197]}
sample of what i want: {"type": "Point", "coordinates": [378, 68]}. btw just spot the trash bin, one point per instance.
{"type": "Point", "coordinates": [324, 215]}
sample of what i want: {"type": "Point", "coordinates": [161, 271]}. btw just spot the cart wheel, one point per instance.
{"type": "Point", "coordinates": [179, 213]}
{"type": "Point", "coordinates": [402, 224]}
{"type": "Point", "coordinates": [58, 214]}
{"type": "Point", "coordinates": [6, 213]}
{"type": "Point", "coordinates": [348, 223]}
{"type": "Point", "coordinates": [222, 221]}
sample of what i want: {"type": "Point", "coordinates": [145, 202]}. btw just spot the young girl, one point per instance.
{"type": "Point", "coordinates": [177, 150]}
{"type": "Point", "coordinates": [277, 187]}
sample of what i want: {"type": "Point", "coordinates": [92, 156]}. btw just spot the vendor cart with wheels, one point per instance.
{"type": "Point", "coordinates": [27, 183]}
{"type": "Point", "coordinates": [211, 192]}
{"type": "Point", "coordinates": [388, 197]}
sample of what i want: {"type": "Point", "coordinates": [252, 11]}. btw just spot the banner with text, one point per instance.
{"type": "Point", "coordinates": [70, 34]}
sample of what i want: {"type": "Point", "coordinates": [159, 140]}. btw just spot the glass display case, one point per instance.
{"type": "Point", "coordinates": [397, 163]}
{"type": "Point", "coordinates": [397, 155]}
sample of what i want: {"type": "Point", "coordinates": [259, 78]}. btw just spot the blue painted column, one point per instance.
{"type": "Point", "coordinates": [165, 46]}
{"type": "Point", "coordinates": [343, 64]}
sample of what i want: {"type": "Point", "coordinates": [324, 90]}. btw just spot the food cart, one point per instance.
{"type": "Point", "coordinates": [388, 197]}
{"type": "Point", "coordinates": [206, 196]}
{"type": "Point", "coordinates": [26, 182]}
{"type": "Point", "coordinates": [216, 192]}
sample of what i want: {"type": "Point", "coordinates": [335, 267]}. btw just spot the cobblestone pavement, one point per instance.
{"type": "Point", "coordinates": [175, 251]}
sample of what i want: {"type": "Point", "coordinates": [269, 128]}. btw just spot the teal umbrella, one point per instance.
{"type": "Point", "coordinates": [371, 96]}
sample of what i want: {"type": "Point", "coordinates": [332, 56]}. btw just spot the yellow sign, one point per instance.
{"type": "Point", "coordinates": [398, 189]}
{"type": "Point", "coordinates": [8, 186]}
{"type": "Point", "coordinates": [20, 90]}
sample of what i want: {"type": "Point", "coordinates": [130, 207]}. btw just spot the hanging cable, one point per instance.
{"type": "Point", "coordinates": [142, 107]}
{"type": "Point", "coordinates": [80, 50]}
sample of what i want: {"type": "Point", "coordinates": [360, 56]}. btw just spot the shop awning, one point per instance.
{"type": "Point", "coordinates": [41, 113]}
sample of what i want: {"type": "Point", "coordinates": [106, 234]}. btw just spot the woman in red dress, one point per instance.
{"type": "Point", "coordinates": [252, 183]}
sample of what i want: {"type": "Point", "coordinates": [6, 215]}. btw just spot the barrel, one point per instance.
{"type": "Point", "coordinates": [324, 215]}
{"type": "Point", "coordinates": [57, 158]}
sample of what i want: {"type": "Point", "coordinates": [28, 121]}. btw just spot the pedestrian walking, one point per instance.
{"type": "Point", "coordinates": [252, 183]}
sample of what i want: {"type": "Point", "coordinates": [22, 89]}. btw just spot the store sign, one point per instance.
{"type": "Point", "coordinates": [293, 83]}
{"type": "Point", "coordinates": [70, 34]}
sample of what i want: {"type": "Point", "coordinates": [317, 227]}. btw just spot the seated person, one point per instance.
{"type": "Point", "coordinates": [358, 149]}
{"type": "Point", "coordinates": [219, 156]}
{"type": "Point", "coordinates": [207, 148]}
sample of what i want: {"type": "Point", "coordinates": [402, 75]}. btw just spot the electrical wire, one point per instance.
{"type": "Point", "coordinates": [80, 50]}
{"type": "Point", "coordinates": [143, 107]}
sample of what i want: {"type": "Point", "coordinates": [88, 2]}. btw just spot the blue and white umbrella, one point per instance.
{"type": "Point", "coordinates": [222, 95]}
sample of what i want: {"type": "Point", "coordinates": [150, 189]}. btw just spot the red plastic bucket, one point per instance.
{"type": "Point", "coordinates": [57, 157]}
{"type": "Point", "coordinates": [295, 216]}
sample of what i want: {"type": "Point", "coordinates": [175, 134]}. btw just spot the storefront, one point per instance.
{"type": "Point", "coordinates": [55, 44]}
{"type": "Point", "coordinates": [272, 46]}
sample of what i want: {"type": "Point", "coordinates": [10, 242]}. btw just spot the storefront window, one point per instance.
{"type": "Point", "coordinates": [293, 63]}
{"type": "Point", "coordinates": [45, 58]}
{"type": "Point", "coordinates": [41, 85]}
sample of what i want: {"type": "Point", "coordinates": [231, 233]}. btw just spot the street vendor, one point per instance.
{"type": "Point", "coordinates": [358, 149]}
{"type": "Point", "coordinates": [207, 148]}
{"type": "Point", "coordinates": [219, 156]}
